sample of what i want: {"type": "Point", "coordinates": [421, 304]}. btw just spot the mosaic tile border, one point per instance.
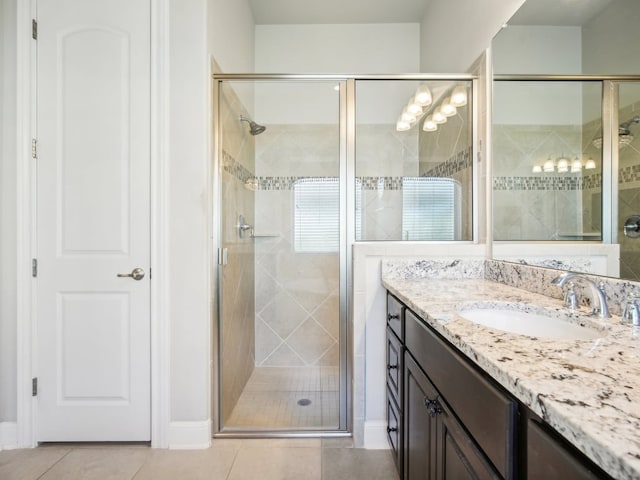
{"type": "Point", "coordinates": [235, 168]}
{"type": "Point", "coordinates": [628, 174]}
{"type": "Point", "coordinates": [460, 161]}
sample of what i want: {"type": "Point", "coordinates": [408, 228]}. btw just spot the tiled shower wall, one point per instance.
{"type": "Point", "coordinates": [297, 294]}
{"type": "Point", "coordinates": [237, 354]}
{"type": "Point", "coordinates": [528, 206]}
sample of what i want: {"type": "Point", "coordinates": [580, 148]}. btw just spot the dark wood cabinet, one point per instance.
{"type": "Point", "coordinates": [449, 420]}
{"type": "Point", "coordinates": [436, 446]}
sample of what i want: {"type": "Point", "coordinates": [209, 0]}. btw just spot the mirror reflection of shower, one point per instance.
{"type": "Point", "coordinates": [254, 128]}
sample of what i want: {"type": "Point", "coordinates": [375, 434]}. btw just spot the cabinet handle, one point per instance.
{"type": "Point", "coordinates": [391, 367]}
{"type": "Point", "coordinates": [395, 316]}
{"type": "Point", "coordinates": [390, 429]}
{"type": "Point", "coordinates": [432, 406]}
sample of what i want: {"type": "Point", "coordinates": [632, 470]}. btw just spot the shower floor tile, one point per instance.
{"type": "Point", "coordinates": [304, 398]}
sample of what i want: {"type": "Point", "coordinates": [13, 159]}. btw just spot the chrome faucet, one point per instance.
{"type": "Point", "coordinates": [596, 292]}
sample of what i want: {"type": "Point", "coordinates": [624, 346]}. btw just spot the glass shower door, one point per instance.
{"type": "Point", "coordinates": [281, 345]}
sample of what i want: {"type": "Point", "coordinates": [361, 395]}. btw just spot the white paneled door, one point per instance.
{"type": "Point", "coordinates": [93, 171]}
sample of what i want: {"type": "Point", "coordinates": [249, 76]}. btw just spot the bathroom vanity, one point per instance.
{"type": "Point", "coordinates": [467, 401]}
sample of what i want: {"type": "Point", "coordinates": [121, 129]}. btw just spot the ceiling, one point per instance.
{"type": "Point", "coordinates": [280, 12]}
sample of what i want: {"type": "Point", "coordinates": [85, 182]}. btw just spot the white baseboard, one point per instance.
{"type": "Point", "coordinates": [190, 435]}
{"type": "Point", "coordinates": [375, 435]}
{"type": "Point", "coordinates": [8, 435]}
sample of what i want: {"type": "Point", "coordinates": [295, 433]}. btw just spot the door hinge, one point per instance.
{"type": "Point", "coordinates": [34, 148]}
{"type": "Point", "coordinates": [34, 267]}
{"type": "Point", "coordinates": [34, 386]}
{"type": "Point", "coordinates": [223, 256]}
{"type": "Point", "coordinates": [34, 29]}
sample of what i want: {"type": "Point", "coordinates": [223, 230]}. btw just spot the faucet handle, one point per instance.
{"type": "Point", "coordinates": [631, 312]}
{"type": "Point", "coordinates": [570, 297]}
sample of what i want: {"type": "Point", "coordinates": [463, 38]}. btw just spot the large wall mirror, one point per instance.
{"type": "Point", "coordinates": [566, 137]}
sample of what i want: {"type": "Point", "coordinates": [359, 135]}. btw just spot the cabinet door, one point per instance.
{"type": "Point", "coordinates": [394, 432]}
{"type": "Point", "coordinates": [419, 425]}
{"type": "Point", "coordinates": [457, 456]}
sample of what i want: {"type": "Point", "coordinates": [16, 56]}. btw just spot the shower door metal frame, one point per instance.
{"type": "Point", "coordinates": [347, 154]}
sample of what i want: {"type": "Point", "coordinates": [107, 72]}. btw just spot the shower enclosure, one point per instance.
{"type": "Point", "coordinates": [293, 197]}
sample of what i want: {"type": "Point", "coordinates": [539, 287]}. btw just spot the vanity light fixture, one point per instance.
{"type": "Point", "coordinates": [414, 107]}
{"type": "Point", "coordinates": [536, 169]}
{"type": "Point", "coordinates": [563, 165]}
{"type": "Point", "coordinates": [459, 96]}
{"type": "Point", "coordinates": [590, 164]}
{"type": "Point", "coordinates": [447, 107]}
{"type": "Point", "coordinates": [438, 116]}
{"type": "Point", "coordinates": [549, 166]}
{"type": "Point", "coordinates": [423, 96]}
{"type": "Point", "coordinates": [407, 116]}
{"type": "Point", "coordinates": [576, 166]}
{"type": "Point", "coordinates": [402, 125]}
{"type": "Point", "coordinates": [429, 124]}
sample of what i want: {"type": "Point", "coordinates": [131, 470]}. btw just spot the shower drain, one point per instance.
{"type": "Point", "coordinates": [303, 402]}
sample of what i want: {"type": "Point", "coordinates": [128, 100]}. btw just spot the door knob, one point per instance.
{"type": "Point", "coordinates": [136, 274]}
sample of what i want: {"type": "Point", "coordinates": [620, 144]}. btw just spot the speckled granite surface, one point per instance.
{"type": "Point", "coordinates": [588, 390]}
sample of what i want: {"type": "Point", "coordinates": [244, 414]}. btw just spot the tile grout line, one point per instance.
{"type": "Point", "coordinates": [55, 463]}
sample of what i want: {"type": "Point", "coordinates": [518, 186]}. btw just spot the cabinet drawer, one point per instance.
{"type": "Point", "coordinates": [548, 458]}
{"type": "Point", "coordinates": [395, 316]}
{"type": "Point", "coordinates": [394, 366]}
{"type": "Point", "coordinates": [488, 414]}
{"type": "Point", "coordinates": [394, 431]}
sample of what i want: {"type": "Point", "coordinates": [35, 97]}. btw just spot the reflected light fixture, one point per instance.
{"type": "Point", "coordinates": [423, 96]}
{"type": "Point", "coordinates": [549, 166]}
{"type": "Point", "coordinates": [447, 108]}
{"type": "Point", "coordinates": [414, 107]}
{"type": "Point", "coordinates": [576, 166]}
{"type": "Point", "coordinates": [402, 125]}
{"type": "Point", "coordinates": [408, 116]}
{"type": "Point", "coordinates": [459, 96]}
{"type": "Point", "coordinates": [536, 169]}
{"type": "Point", "coordinates": [429, 124]}
{"type": "Point", "coordinates": [438, 117]}
{"type": "Point", "coordinates": [563, 165]}
{"type": "Point", "coordinates": [590, 165]}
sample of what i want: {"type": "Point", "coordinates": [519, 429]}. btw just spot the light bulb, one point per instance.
{"type": "Point", "coordinates": [408, 116]}
{"type": "Point", "coordinates": [563, 165]}
{"type": "Point", "coordinates": [414, 107]}
{"type": "Point", "coordinates": [429, 124]}
{"type": "Point", "coordinates": [438, 117]}
{"type": "Point", "coordinates": [402, 125]}
{"type": "Point", "coordinates": [576, 166]}
{"type": "Point", "coordinates": [423, 96]}
{"type": "Point", "coordinates": [459, 96]}
{"type": "Point", "coordinates": [549, 166]}
{"type": "Point", "coordinates": [447, 108]}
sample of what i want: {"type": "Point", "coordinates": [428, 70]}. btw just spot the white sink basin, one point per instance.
{"type": "Point", "coordinates": [533, 324]}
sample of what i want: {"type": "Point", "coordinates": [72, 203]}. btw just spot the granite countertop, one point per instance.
{"type": "Point", "coordinates": [588, 390]}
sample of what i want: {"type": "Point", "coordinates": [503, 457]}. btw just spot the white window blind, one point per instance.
{"type": "Point", "coordinates": [316, 215]}
{"type": "Point", "coordinates": [430, 208]}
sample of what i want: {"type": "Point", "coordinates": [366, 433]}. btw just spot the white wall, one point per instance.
{"type": "Point", "coordinates": [538, 50]}
{"type": "Point", "coordinates": [189, 289]}
{"type": "Point", "coordinates": [7, 211]}
{"type": "Point", "coordinates": [615, 30]}
{"type": "Point", "coordinates": [231, 35]}
{"type": "Point", "coordinates": [455, 33]}
{"type": "Point", "coordinates": [364, 49]}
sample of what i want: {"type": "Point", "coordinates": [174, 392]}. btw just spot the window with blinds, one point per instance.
{"type": "Point", "coordinates": [431, 208]}
{"type": "Point", "coordinates": [316, 215]}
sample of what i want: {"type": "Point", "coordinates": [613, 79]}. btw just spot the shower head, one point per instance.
{"type": "Point", "coordinates": [254, 128]}
{"type": "Point", "coordinates": [624, 127]}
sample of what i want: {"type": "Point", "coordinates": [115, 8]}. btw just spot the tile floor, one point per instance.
{"type": "Point", "coordinates": [227, 459]}
{"type": "Point", "coordinates": [278, 391]}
